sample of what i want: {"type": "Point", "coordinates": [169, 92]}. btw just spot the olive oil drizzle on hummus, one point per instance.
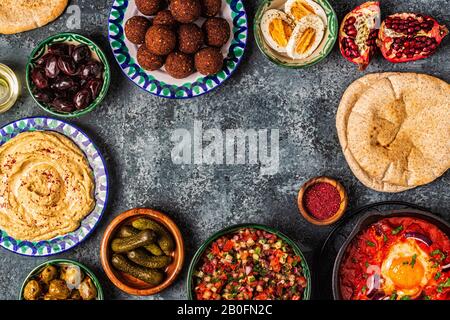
{"type": "Point", "coordinates": [46, 186]}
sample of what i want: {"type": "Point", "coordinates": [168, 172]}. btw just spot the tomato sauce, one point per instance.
{"type": "Point", "coordinates": [376, 244]}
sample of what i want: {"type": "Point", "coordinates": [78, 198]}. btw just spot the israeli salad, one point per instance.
{"type": "Point", "coordinates": [249, 264]}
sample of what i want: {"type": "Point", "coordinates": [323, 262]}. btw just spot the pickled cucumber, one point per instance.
{"type": "Point", "coordinates": [165, 240]}
{"type": "Point", "coordinates": [142, 258]}
{"type": "Point", "coordinates": [128, 231]}
{"type": "Point", "coordinates": [141, 239]}
{"type": "Point", "coordinates": [151, 276]}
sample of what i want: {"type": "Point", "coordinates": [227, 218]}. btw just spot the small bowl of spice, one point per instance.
{"type": "Point", "coordinates": [322, 200]}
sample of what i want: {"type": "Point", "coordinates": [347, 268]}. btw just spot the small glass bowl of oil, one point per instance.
{"type": "Point", "coordinates": [9, 88]}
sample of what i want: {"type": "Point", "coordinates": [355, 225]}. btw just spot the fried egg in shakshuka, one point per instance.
{"type": "Point", "coordinates": [406, 269]}
{"type": "Point", "coordinates": [397, 258]}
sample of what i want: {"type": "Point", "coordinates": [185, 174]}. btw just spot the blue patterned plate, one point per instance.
{"type": "Point", "coordinates": [159, 82]}
{"type": "Point", "coordinates": [97, 163]}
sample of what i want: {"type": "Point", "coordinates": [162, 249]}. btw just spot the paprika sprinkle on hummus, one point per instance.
{"type": "Point", "coordinates": [322, 200]}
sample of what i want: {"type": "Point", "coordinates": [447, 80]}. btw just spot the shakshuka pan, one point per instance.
{"type": "Point", "coordinates": [398, 258]}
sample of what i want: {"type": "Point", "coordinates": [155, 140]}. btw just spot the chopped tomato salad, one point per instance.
{"type": "Point", "coordinates": [250, 264]}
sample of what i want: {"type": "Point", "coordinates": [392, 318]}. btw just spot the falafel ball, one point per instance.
{"type": "Point", "coordinates": [208, 61]}
{"type": "Point", "coordinates": [165, 18]}
{"type": "Point", "coordinates": [217, 31]}
{"type": "Point", "coordinates": [185, 11]}
{"type": "Point", "coordinates": [179, 65]}
{"type": "Point", "coordinates": [210, 8]}
{"type": "Point", "coordinates": [148, 7]}
{"type": "Point", "coordinates": [190, 38]}
{"type": "Point", "coordinates": [135, 29]}
{"type": "Point", "coordinates": [148, 60]}
{"type": "Point", "coordinates": [160, 40]}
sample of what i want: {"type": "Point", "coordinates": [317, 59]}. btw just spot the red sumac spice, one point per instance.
{"type": "Point", "coordinates": [322, 200]}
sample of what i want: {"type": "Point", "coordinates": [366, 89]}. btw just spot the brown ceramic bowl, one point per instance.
{"type": "Point", "coordinates": [337, 215]}
{"type": "Point", "coordinates": [126, 282]}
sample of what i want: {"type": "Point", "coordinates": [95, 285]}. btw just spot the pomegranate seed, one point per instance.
{"type": "Point", "coordinates": [352, 33]}
{"type": "Point", "coordinates": [398, 54]}
{"type": "Point", "coordinates": [351, 20]}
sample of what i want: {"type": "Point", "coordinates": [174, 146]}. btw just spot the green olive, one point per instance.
{"type": "Point", "coordinates": [48, 274]}
{"type": "Point", "coordinates": [87, 289]}
{"type": "Point", "coordinates": [58, 289]}
{"type": "Point", "coordinates": [32, 290]}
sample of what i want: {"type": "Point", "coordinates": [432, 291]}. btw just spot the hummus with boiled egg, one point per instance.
{"type": "Point", "coordinates": [46, 186]}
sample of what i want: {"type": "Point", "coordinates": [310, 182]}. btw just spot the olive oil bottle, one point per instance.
{"type": "Point", "coordinates": [9, 88]}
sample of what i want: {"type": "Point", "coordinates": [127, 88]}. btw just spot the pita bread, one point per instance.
{"type": "Point", "coordinates": [394, 129]}
{"type": "Point", "coordinates": [23, 15]}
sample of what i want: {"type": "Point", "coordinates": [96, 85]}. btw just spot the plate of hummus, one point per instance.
{"type": "Point", "coordinates": [53, 186]}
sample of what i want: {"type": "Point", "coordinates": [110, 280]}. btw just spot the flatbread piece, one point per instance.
{"type": "Point", "coordinates": [23, 15]}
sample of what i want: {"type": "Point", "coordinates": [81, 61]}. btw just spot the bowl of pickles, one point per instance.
{"type": "Point", "coordinates": [142, 251]}
{"type": "Point", "coordinates": [61, 279]}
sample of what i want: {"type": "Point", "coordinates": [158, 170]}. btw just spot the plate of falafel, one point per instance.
{"type": "Point", "coordinates": [178, 48]}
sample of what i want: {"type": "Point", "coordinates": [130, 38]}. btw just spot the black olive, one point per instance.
{"type": "Point", "coordinates": [82, 99]}
{"type": "Point", "coordinates": [51, 67]}
{"type": "Point", "coordinates": [67, 65]}
{"type": "Point", "coordinates": [63, 105]}
{"type": "Point", "coordinates": [43, 60]}
{"type": "Point", "coordinates": [92, 69]}
{"type": "Point", "coordinates": [81, 53]}
{"type": "Point", "coordinates": [94, 86]}
{"type": "Point", "coordinates": [63, 83]}
{"type": "Point", "coordinates": [43, 96]}
{"type": "Point", "coordinates": [39, 79]}
{"type": "Point", "coordinates": [60, 49]}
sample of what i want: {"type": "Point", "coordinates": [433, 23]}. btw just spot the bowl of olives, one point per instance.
{"type": "Point", "coordinates": [61, 279]}
{"type": "Point", "coordinates": [68, 75]}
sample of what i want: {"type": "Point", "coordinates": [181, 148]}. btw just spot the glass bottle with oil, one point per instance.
{"type": "Point", "coordinates": [9, 88]}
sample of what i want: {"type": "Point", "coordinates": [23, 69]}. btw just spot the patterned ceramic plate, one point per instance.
{"type": "Point", "coordinates": [159, 82]}
{"type": "Point", "coordinates": [325, 47]}
{"type": "Point", "coordinates": [97, 163]}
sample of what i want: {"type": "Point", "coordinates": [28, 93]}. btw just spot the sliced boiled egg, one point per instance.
{"type": "Point", "coordinates": [298, 9]}
{"type": "Point", "coordinates": [406, 270]}
{"type": "Point", "coordinates": [277, 27]}
{"type": "Point", "coordinates": [306, 37]}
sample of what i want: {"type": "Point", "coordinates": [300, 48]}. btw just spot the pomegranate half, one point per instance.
{"type": "Point", "coordinates": [358, 33]}
{"type": "Point", "coordinates": [409, 36]}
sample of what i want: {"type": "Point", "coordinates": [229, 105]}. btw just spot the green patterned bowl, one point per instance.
{"type": "Point", "coordinates": [329, 39]}
{"type": "Point", "coordinates": [199, 254]}
{"type": "Point", "coordinates": [75, 38]}
{"type": "Point", "coordinates": [62, 262]}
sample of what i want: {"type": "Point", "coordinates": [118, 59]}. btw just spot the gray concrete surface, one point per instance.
{"type": "Point", "coordinates": [133, 130]}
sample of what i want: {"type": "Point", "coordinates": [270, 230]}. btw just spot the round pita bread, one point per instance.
{"type": "Point", "coordinates": [23, 15]}
{"type": "Point", "coordinates": [394, 129]}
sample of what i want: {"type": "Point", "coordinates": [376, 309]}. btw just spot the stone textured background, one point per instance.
{"type": "Point", "coordinates": [133, 129]}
